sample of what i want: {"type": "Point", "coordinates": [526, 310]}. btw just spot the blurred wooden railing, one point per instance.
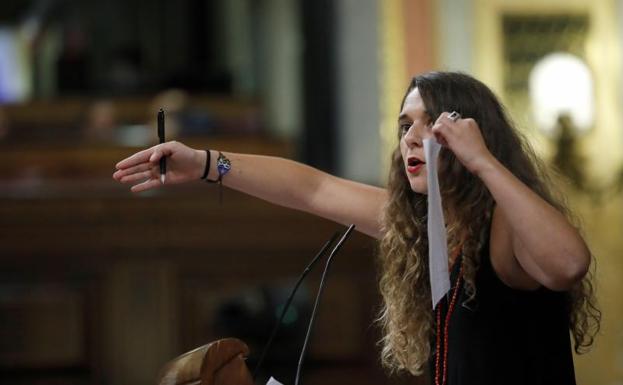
{"type": "Point", "coordinates": [67, 119]}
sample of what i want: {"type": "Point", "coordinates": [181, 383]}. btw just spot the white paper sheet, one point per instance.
{"type": "Point", "coordinates": [272, 381]}
{"type": "Point", "coordinates": [437, 238]}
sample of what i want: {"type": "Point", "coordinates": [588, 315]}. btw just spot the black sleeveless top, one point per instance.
{"type": "Point", "coordinates": [505, 336]}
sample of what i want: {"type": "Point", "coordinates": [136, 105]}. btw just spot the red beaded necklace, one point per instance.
{"type": "Point", "coordinates": [438, 367]}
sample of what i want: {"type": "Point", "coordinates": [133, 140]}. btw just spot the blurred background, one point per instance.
{"type": "Point", "coordinates": [99, 286]}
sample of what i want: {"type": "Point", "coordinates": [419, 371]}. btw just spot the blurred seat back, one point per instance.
{"type": "Point", "coordinates": [220, 362]}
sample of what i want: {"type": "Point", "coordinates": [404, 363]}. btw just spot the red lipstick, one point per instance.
{"type": "Point", "coordinates": [414, 165]}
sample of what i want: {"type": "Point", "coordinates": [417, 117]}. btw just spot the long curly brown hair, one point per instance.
{"type": "Point", "coordinates": [406, 315]}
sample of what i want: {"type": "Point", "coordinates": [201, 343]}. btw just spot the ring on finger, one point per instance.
{"type": "Point", "coordinates": [454, 116]}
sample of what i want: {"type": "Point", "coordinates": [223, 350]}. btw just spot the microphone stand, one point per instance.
{"type": "Point", "coordinates": [321, 253]}
{"type": "Point", "coordinates": [313, 315]}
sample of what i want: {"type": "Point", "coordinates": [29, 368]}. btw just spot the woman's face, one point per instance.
{"type": "Point", "coordinates": [415, 125]}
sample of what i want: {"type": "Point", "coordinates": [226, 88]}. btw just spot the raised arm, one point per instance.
{"type": "Point", "coordinates": [276, 180]}
{"type": "Point", "coordinates": [532, 243]}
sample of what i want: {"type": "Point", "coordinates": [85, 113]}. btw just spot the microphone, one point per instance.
{"type": "Point", "coordinates": [286, 307]}
{"type": "Point", "coordinates": [320, 287]}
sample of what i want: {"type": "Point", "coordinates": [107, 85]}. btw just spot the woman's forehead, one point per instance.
{"type": "Point", "coordinates": [414, 104]}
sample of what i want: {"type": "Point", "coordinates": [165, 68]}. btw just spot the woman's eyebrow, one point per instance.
{"type": "Point", "coordinates": [403, 117]}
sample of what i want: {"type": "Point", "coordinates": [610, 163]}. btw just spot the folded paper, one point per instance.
{"type": "Point", "coordinates": [272, 381]}
{"type": "Point", "coordinates": [437, 238]}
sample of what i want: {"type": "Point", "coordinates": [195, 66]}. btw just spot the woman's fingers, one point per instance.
{"type": "Point", "coordinates": [164, 149]}
{"type": "Point", "coordinates": [440, 132]}
{"type": "Point", "coordinates": [440, 138]}
{"type": "Point", "coordinates": [119, 174]}
{"type": "Point", "coordinates": [445, 127]}
{"type": "Point", "coordinates": [156, 155]}
{"type": "Point", "coordinates": [151, 179]}
{"type": "Point", "coordinates": [147, 185]}
{"type": "Point", "coordinates": [138, 158]}
{"type": "Point", "coordinates": [152, 154]}
{"type": "Point", "coordinates": [463, 137]}
{"type": "Point", "coordinates": [137, 176]}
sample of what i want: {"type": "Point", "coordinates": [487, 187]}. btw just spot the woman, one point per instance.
{"type": "Point", "coordinates": [518, 266]}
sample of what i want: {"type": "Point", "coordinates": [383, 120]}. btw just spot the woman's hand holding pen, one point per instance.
{"type": "Point", "coordinates": [464, 138]}
{"type": "Point", "coordinates": [142, 169]}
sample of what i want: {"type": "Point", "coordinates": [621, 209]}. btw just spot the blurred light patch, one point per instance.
{"type": "Point", "coordinates": [291, 316]}
{"type": "Point", "coordinates": [562, 84]}
{"type": "Point", "coordinates": [14, 85]}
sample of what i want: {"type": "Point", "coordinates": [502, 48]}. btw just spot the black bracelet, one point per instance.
{"type": "Point", "coordinates": [206, 170]}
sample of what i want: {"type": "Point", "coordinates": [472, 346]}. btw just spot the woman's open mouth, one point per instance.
{"type": "Point", "coordinates": [414, 165]}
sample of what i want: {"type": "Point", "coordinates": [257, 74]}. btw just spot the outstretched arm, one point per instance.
{"type": "Point", "coordinates": [277, 180]}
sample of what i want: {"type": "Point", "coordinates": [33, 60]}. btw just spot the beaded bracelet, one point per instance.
{"type": "Point", "coordinates": [223, 165]}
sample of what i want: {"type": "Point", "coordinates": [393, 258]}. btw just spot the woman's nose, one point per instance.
{"type": "Point", "coordinates": [412, 138]}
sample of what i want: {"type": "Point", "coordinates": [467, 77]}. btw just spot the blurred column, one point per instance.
{"type": "Point", "coordinates": [619, 18]}
{"type": "Point", "coordinates": [317, 143]}
{"type": "Point", "coordinates": [15, 66]}
{"type": "Point", "coordinates": [49, 51]}
{"type": "Point", "coordinates": [619, 92]}
{"type": "Point", "coordinates": [406, 48]}
{"type": "Point", "coordinates": [358, 115]}
{"type": "Point", "coordinates": [421, 43]}
{"type": "Point", "coordinates": [455, 31]}
{"type": "Point", "coordinates": [279, 65]}
{"type": "Point", "coordinates": [238, 50]}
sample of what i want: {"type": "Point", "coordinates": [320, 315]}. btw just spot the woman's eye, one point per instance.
{"type": "Point", "coordinates": [404, 128]}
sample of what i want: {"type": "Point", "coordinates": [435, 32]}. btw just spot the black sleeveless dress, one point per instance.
{"type": "Point", "coordinates": [504, 336]}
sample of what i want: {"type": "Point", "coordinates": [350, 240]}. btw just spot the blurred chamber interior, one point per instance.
{"type": "Point", "coordinates": [99, 286]}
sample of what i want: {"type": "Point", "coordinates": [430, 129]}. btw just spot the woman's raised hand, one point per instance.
{"type": "Point", "coordinates": [464, 138]}
{"type": "Point", "coordinates": [142, 171]}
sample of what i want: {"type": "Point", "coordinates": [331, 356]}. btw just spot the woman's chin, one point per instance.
{"type": "Point", "coordinates": [418, 183]}
{"type": "Point", "coordinates": [419, 188]}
